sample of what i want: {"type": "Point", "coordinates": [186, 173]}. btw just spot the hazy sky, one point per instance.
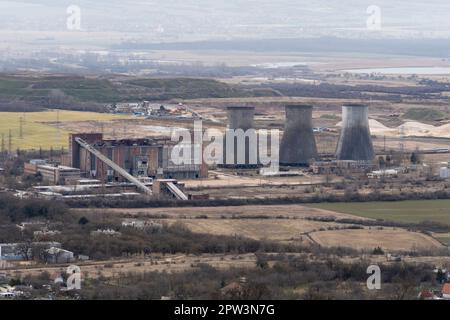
{"type": "Point", "coordinates": [186, 20]}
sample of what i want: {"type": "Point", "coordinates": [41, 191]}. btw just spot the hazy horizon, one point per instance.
{"type": "Point", "coordinates": [193, 20]}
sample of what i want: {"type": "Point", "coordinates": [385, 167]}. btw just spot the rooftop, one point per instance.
{"type": "Point", "coordinates": [446, 288]}
{"type": "Point", "coordinates": [240, 107]}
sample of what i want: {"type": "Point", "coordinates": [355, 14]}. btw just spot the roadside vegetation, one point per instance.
{"type": "Point", "coordinates": [276, 277]}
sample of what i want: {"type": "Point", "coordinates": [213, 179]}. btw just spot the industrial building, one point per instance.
{"type": "Point", "coordinates": [52, 174]}
{"type": "Point", "coordinates": [340, 167]}
{"type": "Point", "coordinates": [355, 142]}
{"type": "Point", "coordinates": [298, 146]}
{"type": "Point", "coordinates": [444, 172]}
{"type": "Point", "coordinates": [138, 157]}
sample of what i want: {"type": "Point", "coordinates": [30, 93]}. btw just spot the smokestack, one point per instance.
{"type": "Point", "coordinates": [355, 142]}
{"type": "Point", "coordinates": [241, 117]}
{"type": "Point", "coordinates": [298, 146]}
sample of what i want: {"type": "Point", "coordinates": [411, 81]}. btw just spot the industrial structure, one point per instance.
{"type": "Point", "coordinates": [240, 118]}
{"type": "Point", "coordinates": [52, 174]}
{"type": "Point", "coordinates": [298, 146]}
{"type": "Point", "coordinates": [355, 142]}
{"type": "Point", "coordinates": [113, 166]}
{"type": "Point", "coordinates": [118, 164]}
{"type": "Point", "coordinates": [137, 157]}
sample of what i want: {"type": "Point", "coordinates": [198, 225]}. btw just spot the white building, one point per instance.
{"type": "Point", "coordinates": [58, 255]}
{"type": "Point", "coordinates": [444, 173]}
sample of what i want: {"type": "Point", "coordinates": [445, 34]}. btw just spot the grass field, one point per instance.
{"type": "Point", "coordinates": [36, 133]}
{"type": "Point", "coordinates": [443, 240]}
{"type": "Point", "coordinates": [400, 211]}
{"type": "Point", "coordinates": [390, 239]}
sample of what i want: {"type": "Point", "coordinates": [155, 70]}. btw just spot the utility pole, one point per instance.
{"type": "Point", "coordinates": [402, 145]}
{"type": "Point", "coordinates": [20, 128]}
{"type": "Point", "coordinates": [58, 132]}
{"type": "Point", "coordinates": [9, 141]}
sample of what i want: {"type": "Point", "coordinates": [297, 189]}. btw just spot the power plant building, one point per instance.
{"type": "Point", "coordinates": [139, 157]}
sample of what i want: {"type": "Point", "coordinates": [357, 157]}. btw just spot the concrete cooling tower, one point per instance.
{"type": "Point", "coordinates": [355, 142]}
{"type": "Point", "coordinates": [241, 117]}
{"type": "Point", "coordinates": [298, 145]}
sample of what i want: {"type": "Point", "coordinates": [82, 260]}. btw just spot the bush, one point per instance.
{"type": "Point", "coordinates": [378, 251]}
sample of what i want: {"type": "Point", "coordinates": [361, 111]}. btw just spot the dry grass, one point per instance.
{"type": "Point", "coordinates": [293, 210]}
{"type": "Point", "coordinates": [388, 239]}
{"type": "Point", "coordinates": [258, 229]}
{"type": "Point", "coordinates": [40, 129]}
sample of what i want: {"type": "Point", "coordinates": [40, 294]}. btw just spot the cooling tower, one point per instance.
{"type": "Point", "coordinates": [241, 117]}
{"type": "Point", "coordinates": [355, 142]}
{"type": "Point", "coordinates": [298, 146]}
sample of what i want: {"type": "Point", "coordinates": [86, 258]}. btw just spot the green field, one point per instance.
{"type": "Point", "coordinates": [414, 211]}
{"type": "Point", "coordinates": [37, 134]}
{"type": "Point", "coordinates": [443, 240]}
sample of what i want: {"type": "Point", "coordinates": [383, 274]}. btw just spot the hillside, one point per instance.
{"type": "Point", "coordinates": [33, 93]}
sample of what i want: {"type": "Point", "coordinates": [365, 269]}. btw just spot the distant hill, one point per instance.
{"type": "Point", "coordinates": [31, 93]}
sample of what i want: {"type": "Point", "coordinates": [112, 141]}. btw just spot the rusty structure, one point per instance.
{"type": "Point", "coordinates": [139, 157]}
